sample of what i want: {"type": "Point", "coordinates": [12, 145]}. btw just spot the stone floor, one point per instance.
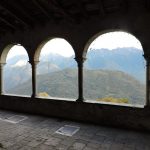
{"type": "Point", "coordinates": [38, 133]}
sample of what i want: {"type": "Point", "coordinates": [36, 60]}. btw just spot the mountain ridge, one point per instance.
{"type": "Point", "coordinates": [97, 84]}
{"type": "Point", "coordinates": [128, 60]}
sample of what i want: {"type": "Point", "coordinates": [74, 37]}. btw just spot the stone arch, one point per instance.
{"type": "Point", "coordinates": [5, 62]}
{"type": "Point", "coordinates": [55, 68]}
{"type": "Point", "coordinates": [41, 45]}
{"type": "Point", "coordinates": [6, 51]}
{"type": "Point", "coordinates": [94, 37]}
{"type": "Point", "coordinates": [107, 68]}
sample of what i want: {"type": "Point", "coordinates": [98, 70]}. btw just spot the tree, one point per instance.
{"type": "Point", "coordinates": [113, 100]}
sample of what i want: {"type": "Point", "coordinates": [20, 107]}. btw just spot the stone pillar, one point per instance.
{"type": "Point", "coordinates": [148, 82]}
{"type": "Point", "coordinates": [1, 79]}
{"type": "Point", "coordinates": [80, 79]}
{"type": "Point", "coordinates": [147, 58]}
{"type": "Point", "coordinates": [34, 84]}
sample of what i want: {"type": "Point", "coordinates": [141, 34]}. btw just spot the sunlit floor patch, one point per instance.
{"type": "Point", "coordinates": [68, 130]}
{"type": "Point", "coordinates": [14, 119]}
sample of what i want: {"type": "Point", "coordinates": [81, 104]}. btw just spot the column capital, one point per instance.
{"type": "Point", "coordinates": [80, 60]}
{"type": "Point", "coordinates": [33, 62]}
{"type": "Point", "coordinates": [147, 56]}
{"type": "Point", "coordinates": [1, 79]}
{"type": "Point", "coordinates": [2, 64]}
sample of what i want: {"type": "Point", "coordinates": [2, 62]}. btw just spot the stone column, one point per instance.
{"type": "Point", "coordinates": [1, 78]}
{"type": "Point", "coordinates": [148, 82]}
{"type": "Point", "coordinates": [34, 84]}
{"type": "Point", "coordinates": [147, 58]}
{"type": "Point", "coordinates": [80, 79]}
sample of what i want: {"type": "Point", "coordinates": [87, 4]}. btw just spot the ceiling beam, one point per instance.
{"type": "Point", "coordinates": [14, 15]}
{"type": "Point", "coordinates": [49, 13]}
{"type": "Point", "coordinates": [82, 9]}
{"type": "Point", "coordinates": [101, 7]}
{"type": "Point", "coordinates": [41, 8]}
{"type": "Point", "coordinates": [58, 7]}
{"type": "Point", "coordinates": [125, 5]}
{"type": "Point", "coordinates": [7, 23]}
{"type": "Point", "coordinates": [21, 7]}
{"type": "Point", "coordinates": [2, 29]}
{"type": "Point", "coordinates": [147, 4]}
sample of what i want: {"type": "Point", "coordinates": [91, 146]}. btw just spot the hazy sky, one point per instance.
{"type": "Point", "coordinates": [109, 40]}
{"type": "Point", "coordinates": [16, 50]}
{"type": "Point", "coordinates": [59, 46]}
{"type": "Point", "coordinates": [114, 40]}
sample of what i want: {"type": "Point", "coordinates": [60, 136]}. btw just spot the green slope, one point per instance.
{"type": "Point", "coordinates": [104, 83]}
{"type": "Point", "coordinates": [97, 84]}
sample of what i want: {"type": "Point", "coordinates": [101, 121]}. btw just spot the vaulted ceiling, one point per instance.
{"type": "Point", "coordinates": [23, 14]}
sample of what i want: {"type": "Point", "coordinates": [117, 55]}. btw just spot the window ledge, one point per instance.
{"type": "Point", "coordinates": [16, 95]}
{"type": "Point", "coordinates": [57, 98]}
{"type": "Point", "coordinates": [116, 104]}
{"type": "Point", "coordinates": [86, 101]}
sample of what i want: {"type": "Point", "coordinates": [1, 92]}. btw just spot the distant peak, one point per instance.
{"type": "Point", "coordinates": [116, 49]}
{"type": "Point", "coordinates": [20, 63]}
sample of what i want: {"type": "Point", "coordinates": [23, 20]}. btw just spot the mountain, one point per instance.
{"type": "Point", "coordinates": [18, 70]}
{"type": "Point", "coordinates": [59, 60]}
{"type": "Point", "coordinates": [106, 83]}
{"type": "Point", "coordinates": [16, 75]}
{"type": "Point", "coordinates": [97, 84]}
{"type": "Point", "coordinates": [128, 60]}
{"type": "Point", "coordinates": [13, 60]}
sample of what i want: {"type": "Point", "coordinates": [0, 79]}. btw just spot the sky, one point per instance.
{"type": "Point", "coordinates": [109, 40]}
{"type": "Point", "coordinates": [16, 50]}
{"type": "Point", "coordinates": [59, 46]}
{"type": "Point", "coordinates": [114, 40]}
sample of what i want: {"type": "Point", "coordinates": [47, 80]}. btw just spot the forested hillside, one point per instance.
{"type": "Point", "coordinates": [97, 84]}
{"type": "Point", "coordinates": [118, 73]}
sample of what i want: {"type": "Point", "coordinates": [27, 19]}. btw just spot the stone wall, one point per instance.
{"type": "Point", "coordinates": [80, 36]}
{"type": "Point", "coordinates": [110, 115]}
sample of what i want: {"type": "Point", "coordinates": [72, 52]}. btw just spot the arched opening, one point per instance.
{"type": "Point", "coordinates": [57, 70]}
{"type": "Point", "coordinates": [17, 70]}
{"type": "Point", "coordinates": [114, 71]}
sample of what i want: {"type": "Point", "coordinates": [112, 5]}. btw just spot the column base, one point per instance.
{"type": "Point", "coordinates": [80, 99]}
{"type": "Point", "coordinates": [33, 96]}
{"type": "Point", "coordinates": [2, 93]}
